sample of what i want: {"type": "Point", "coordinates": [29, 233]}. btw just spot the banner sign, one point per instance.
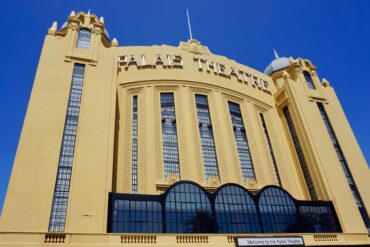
{"type": "Point", "coordinates": [274, 241]}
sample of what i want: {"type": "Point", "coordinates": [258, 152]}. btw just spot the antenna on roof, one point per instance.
{"type": "Point", "coordinates": [187, 13]}
{"type": "Point", "coordinates": [276, 55]}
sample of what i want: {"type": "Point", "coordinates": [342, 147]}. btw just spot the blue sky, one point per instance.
{"type": "Point", "coordinates": [334, 35]}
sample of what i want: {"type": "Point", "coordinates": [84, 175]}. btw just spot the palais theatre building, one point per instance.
{"type": "Point", "coordinates": [176, 146]}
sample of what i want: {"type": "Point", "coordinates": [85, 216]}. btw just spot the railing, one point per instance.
{"type": "Point", "coordinates": [54, 238]}
{"type": "Point", "coordinates": [138, 239]}
{"type": "Point", "coordinates": [197, 239]}
{"type": "Point", "coordinates": [325, 237]}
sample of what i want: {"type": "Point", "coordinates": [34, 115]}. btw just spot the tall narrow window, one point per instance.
{"type": "Point", "coordinates": [300, 155]}
{"type": "Point", "coordinates": [83, 39]}
{"type": "Point", "coordinates": [344, 164]}
{"type": "Point", "coordinates": [134, 144]}
{"type": "Point", "coordinates": [169, 135]}
{"type": "Point", "coordinates": [61, 192]}
{"type": "Point", "coordinates": [271, 151]}
{"type": "Point", "coordinates": [309, 80]}
{"type": "Point", "coordinates": [206, 137]}
{"type": "Point", "coordinates": [241, 140]}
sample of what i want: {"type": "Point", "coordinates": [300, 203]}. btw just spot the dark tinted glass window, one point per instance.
{"type": "Point", "coordinates": [317, 219]}
{"type": "Point", "coordinates": [236, 211]}
{"type": "Point", "coordinates": [308, 79]}
{"type": "Point", "coordinates": [278, 211]}
{"type": "Point", "coordinates": [188, 210]}
{"type": "Point", "coordinates": [245, 159]}
{"type": "Point", "coordinates": [137, 216]}
{"type": "Point", "coordinates": [169, 135]}
{"type": "Point", "coordinates": [134, 144]}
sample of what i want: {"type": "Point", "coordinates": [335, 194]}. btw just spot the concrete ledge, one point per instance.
{"type": "Point", "coordinates": [17, 239]}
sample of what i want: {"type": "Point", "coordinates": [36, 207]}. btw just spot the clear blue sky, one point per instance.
{"type": "Point", "coordinates": [334, 35]}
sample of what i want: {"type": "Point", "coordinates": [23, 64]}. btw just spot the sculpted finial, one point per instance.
{"type": "Point", "coordinates": [325, 82]}
{"type": "Point", "coordinates": [53, 28]}
{"type": "Point", "coordinates": [72, 13]}
{"type": "Point", "coordinates": [114, 42]}
{"type": "Point", "coordinates": [276, 54]}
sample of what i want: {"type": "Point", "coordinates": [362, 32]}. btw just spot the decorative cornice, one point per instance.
{"type": "Point", "coordinates": [195, 47]}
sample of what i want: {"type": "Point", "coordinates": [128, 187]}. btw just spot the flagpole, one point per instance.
{"type": "Point", "coordinates": [187, 13]}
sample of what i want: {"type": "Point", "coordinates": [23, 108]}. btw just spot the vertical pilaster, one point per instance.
{"type": "Point", "coordinates": [217, 106]}
{"type": "Point", "coordinates": [187, 150]}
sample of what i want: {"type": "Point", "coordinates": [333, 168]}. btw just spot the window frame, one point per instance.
{"type": "Point", "coordinates": [310, 82]}
{"type": "Point", "coordinates": [82, 41]}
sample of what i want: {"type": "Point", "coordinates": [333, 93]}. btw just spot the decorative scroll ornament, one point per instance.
{"type": "Point", "coordinates": [251, 183]}
{"type": "Point", "coordinates": [213, 181]}
{"type": "Point", "coordinates": [172, 178]}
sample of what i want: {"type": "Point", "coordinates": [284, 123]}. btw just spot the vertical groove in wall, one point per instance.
{"type": "Point", "coordinates": [216, 104]}
{"type": "Point", "coordinates": [158, 138]}
{"type": "Point", "coordinates": [184, 152]}
{"type": "Point", "coordinates": [142, 141]}
{"type": "Point", "coordinates": [125, 148]}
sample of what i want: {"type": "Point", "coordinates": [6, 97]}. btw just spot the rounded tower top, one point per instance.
{"type": "Point", "coordinates": [277, 64]}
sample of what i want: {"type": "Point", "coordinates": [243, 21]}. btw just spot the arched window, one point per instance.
{"type": "Point", "coordinates": [236, 211]}
{"type": "Point", "coordinates": [309, 80]}
{"type": "Point", "coordinates": [188, 210]}
{"type": "Point", "coordinates": [278, 211]}
{"type": "Point", "coordinates": [84, 38]}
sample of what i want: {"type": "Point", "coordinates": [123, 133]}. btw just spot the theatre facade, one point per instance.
{"type": "Point", "coordinates": [164, 145]}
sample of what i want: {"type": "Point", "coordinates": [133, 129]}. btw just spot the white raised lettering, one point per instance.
{"type": "Point", "coordinates": [211, 65]}
{"type": "Point", "coordinates": [132, 60]}
{"type": "Point", "coordinates": [122, 60]}
{"type": "Point", "coordinates": [265, 85]}
{"type": "Point", "coordinates": [245, 76]}
{"type": "Point", "coordinates": [256, 81]}
{"type": "Point", "coordinates": [143, 62]}
{"type": "Point", "coordinates": [200, 63]}
{"type": "Point", "coordinates": [221, 69]}
{"type": "Point", "coordinates": [169, 61]}
{"type": "Point", "coordinates": [159, 60]}
{"type": "Point", "coordinates": [235, 72]}
{"type": "Point", "coordinates": [177, 61]}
